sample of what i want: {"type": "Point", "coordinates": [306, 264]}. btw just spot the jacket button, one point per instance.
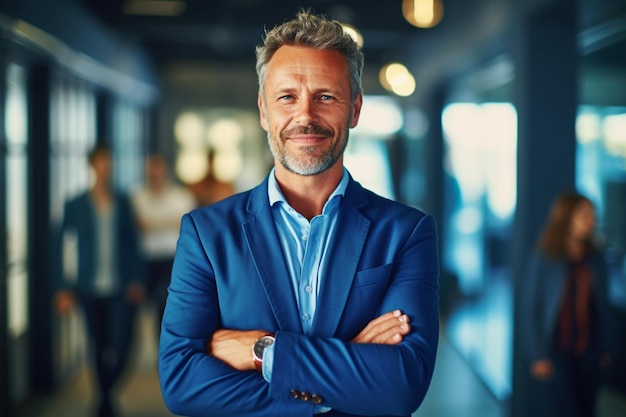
{"type": "Point", "coordinates": [294, 393]}
{"type": "Point", "coordinates": [305, 396]}
{"type": "Point", "coordinates": [316, 399]}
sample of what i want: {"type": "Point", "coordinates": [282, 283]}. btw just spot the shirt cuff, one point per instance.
{"type": "Point", "coordinates": [268, 362]}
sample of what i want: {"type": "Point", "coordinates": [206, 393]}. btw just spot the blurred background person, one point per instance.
{"type": "Point", "coordinates": [211, 188]}
{"type": "Point", "coordinates": [109, 281]}
{"type": "Point", "coordinates": [159, 207]}
{"type": "Point", "coordinates": [566, 311]}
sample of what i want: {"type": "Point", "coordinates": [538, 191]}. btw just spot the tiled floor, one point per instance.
{"type": "Point", "coordinates": [455, 391]}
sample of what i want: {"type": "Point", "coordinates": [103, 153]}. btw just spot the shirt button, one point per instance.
{"type": "Point", "coordinates": [306, 317]}
{"type": "Point", "coordinates": [308, 288]}
{"type": "Point", "coordinates": [304, 237]}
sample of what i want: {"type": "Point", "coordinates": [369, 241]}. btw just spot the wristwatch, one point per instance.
{"type": "Point", "coordinates": [258, 348]}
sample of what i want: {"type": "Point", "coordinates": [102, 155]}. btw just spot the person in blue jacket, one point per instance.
{"type": "Point", "coordinates": [565, 308]}
{"type": "Point", "coordinates": [109, 278]}
{"type": "Point", "coordinates": [307, 294]}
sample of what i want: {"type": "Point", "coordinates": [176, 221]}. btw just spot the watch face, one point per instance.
{"type": "Point", "coordinates": [261, 344]}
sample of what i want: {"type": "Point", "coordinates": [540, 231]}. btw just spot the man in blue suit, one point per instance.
{"type": "Point", "coordinates": [109, 280]}
{"type": "Point", "coordinates": [307, 294]}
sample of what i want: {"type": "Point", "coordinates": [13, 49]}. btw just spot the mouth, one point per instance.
{"type": "Point", "coordinates": [307, 140]}
{"type": "Point", "coordinates": [306, 135]}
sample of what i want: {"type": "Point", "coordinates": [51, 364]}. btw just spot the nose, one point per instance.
{"type": "Point", "coordinates": [305, 111]}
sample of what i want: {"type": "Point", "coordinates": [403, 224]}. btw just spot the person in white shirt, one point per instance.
{"type": "Point", "coordinates": [159, 207]}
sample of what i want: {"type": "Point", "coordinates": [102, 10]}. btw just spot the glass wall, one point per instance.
{"type": "Point", "coordinates": [601, 175]}
{"type": "Point", "coordinates": [129, 131]}
{"type": "Point", "coordinates": [480, 181]}
{"type": "Point", "coordinates": [601, 166]}
{"type": "Point", "coordinates": [16, 226]}
{"type": "Point", "coordinates": [480, 127]}
{"type": "Point", "coordinates": [72, 136]}
{"type": "Point", "coordinates": [601, 162]}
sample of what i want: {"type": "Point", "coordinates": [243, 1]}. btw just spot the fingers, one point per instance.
{"type": "Point", "coordinates": [390, 329]}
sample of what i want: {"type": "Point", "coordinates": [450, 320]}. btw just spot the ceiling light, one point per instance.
{"type": "Point", "coordinates": [422, 13]}
{"type": "Point", "coordinates": [397, 79]}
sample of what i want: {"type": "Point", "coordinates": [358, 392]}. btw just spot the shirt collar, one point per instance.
{"type": "Point", "coordinates": [276, 195]}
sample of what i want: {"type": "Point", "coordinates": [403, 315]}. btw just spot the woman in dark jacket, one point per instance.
{"type": "Point", "coordinates": [565, 309]}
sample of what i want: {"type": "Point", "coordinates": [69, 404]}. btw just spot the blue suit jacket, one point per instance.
{"type": "Point", "coordinates": [80, 218]}
{"type": "Point", "coordinates": [229, 272]}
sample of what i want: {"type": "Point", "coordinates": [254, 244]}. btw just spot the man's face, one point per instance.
{"type": "Point", "coordinates": [101, 165]}
{"type": "Point", "coordinates": [306, 108]}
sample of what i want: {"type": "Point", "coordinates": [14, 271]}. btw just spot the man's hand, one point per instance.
{"type": "Point", "coordinates": [234, 347]}
{"type": "Point", "coordinates": [388, 329]}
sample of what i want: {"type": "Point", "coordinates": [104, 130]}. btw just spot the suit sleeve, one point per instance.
{"type": "Point", "coordinates": [192, 382]}
{"type": "Point", "coordinates": [373, 379]}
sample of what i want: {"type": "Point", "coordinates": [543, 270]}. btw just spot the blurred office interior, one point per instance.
{"type": "Point", "coordinates": [480, 113]}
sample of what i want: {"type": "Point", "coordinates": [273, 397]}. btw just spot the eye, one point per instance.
{"type": "Point", "coordinates": [326, 97]}
{"type": "Point", "coordinates": [285, 98]}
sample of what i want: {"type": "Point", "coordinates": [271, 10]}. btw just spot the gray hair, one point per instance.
{"type": "Point", "coordinates": [318, 32]}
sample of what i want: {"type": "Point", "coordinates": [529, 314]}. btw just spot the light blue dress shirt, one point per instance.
{"type": "Point", "coordinates": [305, 247]}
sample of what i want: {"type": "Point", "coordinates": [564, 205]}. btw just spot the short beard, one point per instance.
{"type": "Point", "coordinates": [309, 164]}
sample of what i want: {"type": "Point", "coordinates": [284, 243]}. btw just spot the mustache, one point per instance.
{"type": "Point", "coordinates": [307, 130]}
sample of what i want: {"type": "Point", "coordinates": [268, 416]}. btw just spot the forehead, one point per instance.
{"type": "Point", "coordinates": [291, 60]}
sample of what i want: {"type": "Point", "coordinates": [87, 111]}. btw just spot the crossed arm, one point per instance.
{"type": "Point", "coordinates": [385, 369]}
{"type": "Point", "coordinates": [234, 347]}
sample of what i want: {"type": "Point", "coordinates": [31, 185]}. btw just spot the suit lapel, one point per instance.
{"type": "Point", "coordinates": [343, 258]}
{"type": "Point", "coordinates": [264, 246]}
{"type": "Point", "coordinates": [342, 261]}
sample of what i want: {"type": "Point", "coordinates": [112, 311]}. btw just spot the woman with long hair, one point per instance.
{"type": "Point", "coordinates": [565, 309]}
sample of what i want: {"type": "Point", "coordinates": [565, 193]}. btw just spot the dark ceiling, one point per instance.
{"type": "Point", "coordinates": [227, 31]}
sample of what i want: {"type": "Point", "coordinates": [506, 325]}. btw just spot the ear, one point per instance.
{"type": "Point", "coordinates": [356, 110]}
{"type": "Point", "coordinates": [262, 113]}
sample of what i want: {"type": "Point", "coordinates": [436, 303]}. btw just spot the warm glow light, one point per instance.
{"type": "Point", "coordinates": [354, 34]}
{"type": "Point", "coordinates": [397, 79]}
{"type": "Point", "coordinates": [224, 134]}
{"type": "Point", "coordinates": [189, 130]}
{"type": "Point", "coordinates": [227, 165]}
{"type": "Point", "coordinates": [422, 13]}
{"type": "Point", "coordinates": [192, 165]}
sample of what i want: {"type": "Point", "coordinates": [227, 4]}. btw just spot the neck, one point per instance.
{"type": "Point", "coordinates": [576, 248]}
{"type": "Point", "coordinates": [308, 193]}
{"type": "Point", "coordinates": [101, 194]}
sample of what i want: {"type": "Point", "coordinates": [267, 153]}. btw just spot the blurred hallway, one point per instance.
{"type": "Point", "coordinates": [456, 391]}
